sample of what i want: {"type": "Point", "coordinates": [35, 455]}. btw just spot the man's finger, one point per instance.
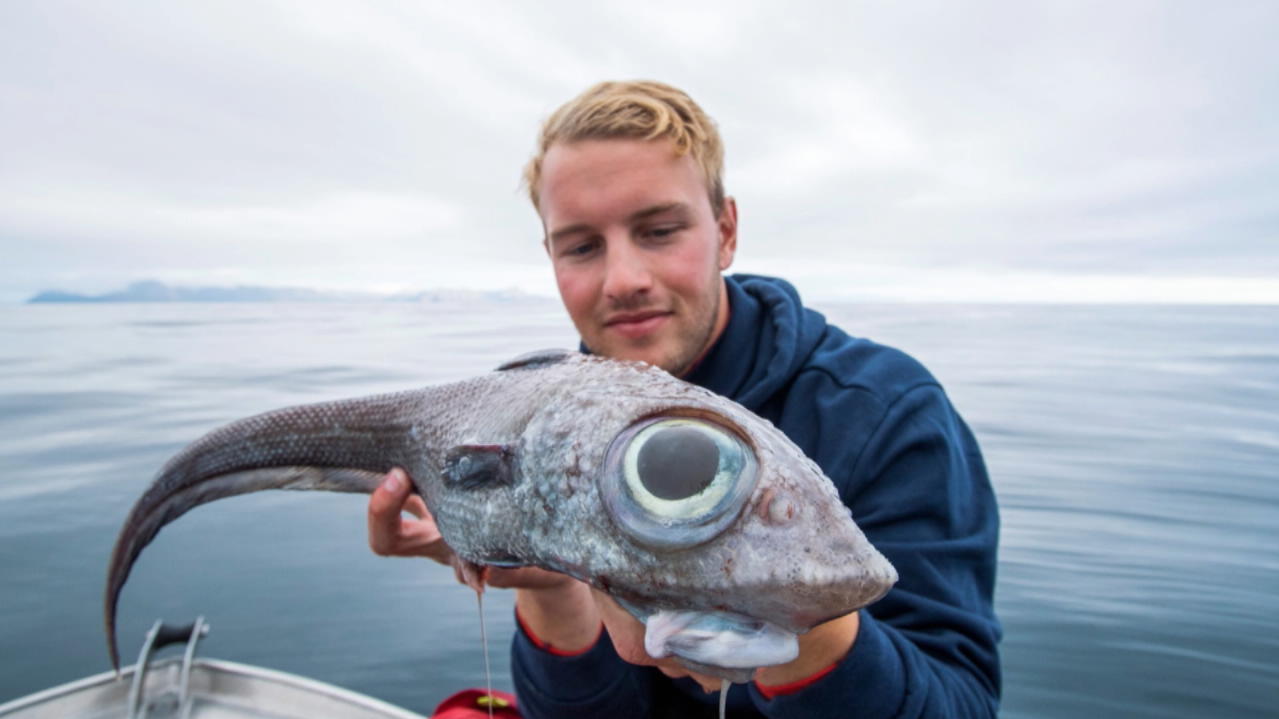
{"type": "Point", "coordinates": [416, 507]}
{"type": "Point", "coordinates": [385, 505]}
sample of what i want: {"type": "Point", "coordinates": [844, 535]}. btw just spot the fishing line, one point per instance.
{"type": "Point", "coordinates": [484, 645]}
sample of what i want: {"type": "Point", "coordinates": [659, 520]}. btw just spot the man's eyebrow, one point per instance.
{"type": "Point", "coordinates": [648, 212]}
{"type": "Point", "coordinates": [643, 214]}
{"type": "Point", "coordinates": [563, 232]}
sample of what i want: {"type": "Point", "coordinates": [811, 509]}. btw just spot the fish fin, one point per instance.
{"type": "Point", "coordinates": [476, 466]}
{"type": "Point", "coordinates": [536, 359]}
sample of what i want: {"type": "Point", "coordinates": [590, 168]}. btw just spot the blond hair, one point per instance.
{"type": "Point", "coordinates": [644, 110]}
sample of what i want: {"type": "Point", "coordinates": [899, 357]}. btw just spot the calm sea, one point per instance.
{"type": "Point", "coordinates": [1135, 451]}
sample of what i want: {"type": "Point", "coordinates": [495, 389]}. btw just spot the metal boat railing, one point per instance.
{"type": "Point", "coordinates": [196, 688]}
{"type": "Point", "coordinates": [162, 635]}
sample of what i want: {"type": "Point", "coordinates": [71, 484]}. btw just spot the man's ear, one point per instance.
{"type": "Point", "coordinates": [727, 225]}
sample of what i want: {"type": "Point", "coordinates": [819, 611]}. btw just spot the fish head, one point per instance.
{"type": "Point", "coordinates": [695, 506]}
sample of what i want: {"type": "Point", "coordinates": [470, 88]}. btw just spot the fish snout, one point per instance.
{"type": "Point", "coordinates": [860, 574]}
{"type": "Point", "coordinates": [818, 565]}
{"type": "Point", "coordinates": [824, 581]}
{"type": "Point", "coordinates": [862, 579]}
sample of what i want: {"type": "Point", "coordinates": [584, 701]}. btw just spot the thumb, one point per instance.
{"type": "Point", "coordinates": [385, 505]}
{"type": "Point", "coordinates": [397, 484]}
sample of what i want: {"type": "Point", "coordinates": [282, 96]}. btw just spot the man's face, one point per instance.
{"type": "Point", "coordinates": [637, 249]}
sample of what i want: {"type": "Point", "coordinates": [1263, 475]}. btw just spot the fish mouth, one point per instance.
{"type": "Point", "coordinates": [720, 644]}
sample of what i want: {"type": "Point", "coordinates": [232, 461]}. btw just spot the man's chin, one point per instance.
{"type": "Point", "coordinates": [657, 352]}
{"type": "Point", "coordinates": [630, 351]}
{"type": "Point", "coordinates": [649, 358]}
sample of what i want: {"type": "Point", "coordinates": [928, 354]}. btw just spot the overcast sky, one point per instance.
{"type": "Point", "coordinates": [1093, 151]}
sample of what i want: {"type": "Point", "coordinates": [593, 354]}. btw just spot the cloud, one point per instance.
{"type": "Point", "coordinates": [336, 143]}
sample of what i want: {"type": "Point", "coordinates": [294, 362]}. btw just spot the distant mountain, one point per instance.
{"type": "Point", "coordinates": [153, 291]}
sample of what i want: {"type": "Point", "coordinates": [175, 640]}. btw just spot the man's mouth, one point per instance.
{"type": "Point", "coordinates": [636, 324]}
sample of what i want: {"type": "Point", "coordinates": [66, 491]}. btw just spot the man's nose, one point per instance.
{"type": "Point", "coordinates": [626, 272]}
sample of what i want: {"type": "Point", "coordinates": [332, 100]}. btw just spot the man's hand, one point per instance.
{"type": "Point", "coordinates": [819, 648]}
{"type": "Point", "coordinates": [554, 606]}
{"type": "Point", "coordinates": [393, 535]}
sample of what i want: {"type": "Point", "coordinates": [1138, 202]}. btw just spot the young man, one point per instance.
{"type": "Point", "coordinates": [627, 182]}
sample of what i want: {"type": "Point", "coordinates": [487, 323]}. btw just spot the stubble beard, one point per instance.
{"type": "Point", "coordinates": [690, 344]}
{"type": "Point", "coordinates": [694, 343]}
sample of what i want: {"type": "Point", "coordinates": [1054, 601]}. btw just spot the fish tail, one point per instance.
{"type": "Point", "coordinates": [341, 446]}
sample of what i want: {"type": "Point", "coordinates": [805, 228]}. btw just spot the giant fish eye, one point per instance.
{"type": "Point", "coordinates": [677, 481]}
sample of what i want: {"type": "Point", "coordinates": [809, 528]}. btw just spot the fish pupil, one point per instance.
{"type": "Point", "coordinates": [677, 462]}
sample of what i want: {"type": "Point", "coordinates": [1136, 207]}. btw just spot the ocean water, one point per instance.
{"type": "Point", "coordinates": [1135, 452]}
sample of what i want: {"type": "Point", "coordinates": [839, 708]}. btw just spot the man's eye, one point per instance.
{"type": "Point", "coordinates": [581, 249]}
{"type": "Point", "coordinates": [662, 231]}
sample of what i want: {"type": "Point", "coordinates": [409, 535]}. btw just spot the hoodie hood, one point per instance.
{"type": "Point", "coordinates": [769, 336]}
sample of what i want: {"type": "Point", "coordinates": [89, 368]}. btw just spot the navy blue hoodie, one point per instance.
{"type": "Point", "coordinates": [907, 466]}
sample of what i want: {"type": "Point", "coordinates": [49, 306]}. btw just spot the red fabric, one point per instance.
{"type": "Point", "coordinates": [546, 646]}
{"type": "Point", "coordinates": [792, 687]}
{"type": "Point", "coordinates": [467, 704]}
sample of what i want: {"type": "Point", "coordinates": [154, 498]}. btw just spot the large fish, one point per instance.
{"type": "Point", "coordinates": [699, 517]}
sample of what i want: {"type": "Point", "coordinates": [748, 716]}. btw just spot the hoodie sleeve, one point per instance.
{"type": "Point", "coordinates": [595, 683]}
{"type": "Point", "coordinates": [918, 488]}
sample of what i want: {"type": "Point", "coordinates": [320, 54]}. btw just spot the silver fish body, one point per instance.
{"type": "Point", "coordinates": [543, 463]}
